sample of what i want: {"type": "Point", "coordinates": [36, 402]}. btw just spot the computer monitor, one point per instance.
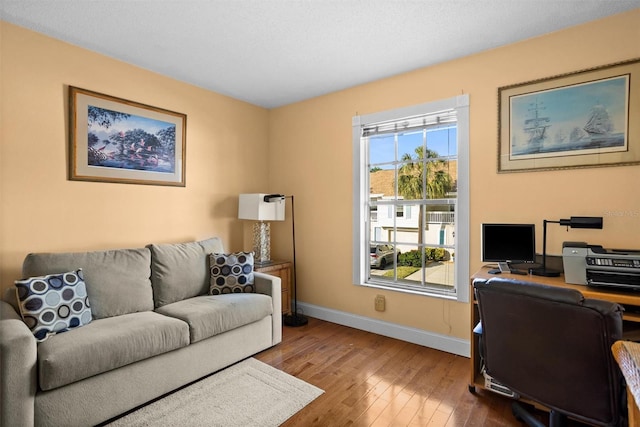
{"type": "Point", "coordinates": [508, 243]}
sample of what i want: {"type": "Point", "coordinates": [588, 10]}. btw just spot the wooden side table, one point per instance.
{"type": "Point", "coordinates": [283, 270]}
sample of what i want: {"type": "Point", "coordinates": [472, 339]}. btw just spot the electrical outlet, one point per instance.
{"type": "Point", "coordinates": [379, 302]}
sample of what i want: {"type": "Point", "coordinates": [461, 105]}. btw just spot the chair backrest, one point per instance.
{"type": "Point", "coordinates": [553, 346]}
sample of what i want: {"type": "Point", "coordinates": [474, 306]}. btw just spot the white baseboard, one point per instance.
{"type": "Point", "coordinates": [413, 335]}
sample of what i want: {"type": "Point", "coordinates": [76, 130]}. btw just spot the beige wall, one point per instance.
{"type": "Point", "coordinates": [311, 157]}
{"type": "Point", "coordinates": [308, 147]}
{"type": "Point", "coordinates": [43, 211]}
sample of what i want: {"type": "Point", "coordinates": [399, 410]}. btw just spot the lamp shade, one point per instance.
{"type": "Point", "coordinates": [252, 206]}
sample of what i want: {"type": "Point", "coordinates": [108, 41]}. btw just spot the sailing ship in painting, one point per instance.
{"type": "Point", "coordinates": [599, 124]}
{"type": "Point", "coordinates": [536, 128]}
{"type": "Point", "coordinates": [597, 133]}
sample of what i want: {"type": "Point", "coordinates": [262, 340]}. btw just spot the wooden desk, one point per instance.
{"type": "Point", "coordinates": [281, 269]}
{"type": "Point", "coordinates": [631, 302]}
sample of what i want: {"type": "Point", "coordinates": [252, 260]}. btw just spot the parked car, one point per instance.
{"type": "Point", "coordinates": [382, 255]}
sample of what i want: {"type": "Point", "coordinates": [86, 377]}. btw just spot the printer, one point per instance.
{"type": "Point", "coordinates": [593, 265]}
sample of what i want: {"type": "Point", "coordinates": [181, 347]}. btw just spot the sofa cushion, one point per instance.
{"type": "Point", "coordinates": [181, 270]}
{"type": "Point", "coordinates": [53, 303]}
{"type": "Point", "coordinates": [211, 315]}
{"type": "Point", "coordinates": [117, 281]}
{"type": "Point", "coordinates": [231, 273]}
{"type": "Point", "coordinates": [107, 344]}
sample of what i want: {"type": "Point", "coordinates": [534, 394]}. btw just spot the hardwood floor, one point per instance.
{"type": "Point", "coordinates": [371, 380]}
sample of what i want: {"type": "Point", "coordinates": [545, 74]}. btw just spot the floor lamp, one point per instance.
{"type": "Point", "coordinates": [294, 319]}
{"type": "Point", "coordinates": [573, 222]}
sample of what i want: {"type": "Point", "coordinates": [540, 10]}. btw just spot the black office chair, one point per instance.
{"type": "Point", "coordinates": [552, 346]}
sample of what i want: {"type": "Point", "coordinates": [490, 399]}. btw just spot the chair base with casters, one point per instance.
{"type": "Point", "coordinates": [556, 419]}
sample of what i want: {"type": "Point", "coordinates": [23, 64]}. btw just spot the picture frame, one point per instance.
{"type": "Point", "coordinates": [586, 118]}
{"type": "Point", "coordinates": [118, 140]}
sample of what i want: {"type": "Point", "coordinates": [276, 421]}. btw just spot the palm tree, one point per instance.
{"type": "Point", "coordinates": [411, 182]}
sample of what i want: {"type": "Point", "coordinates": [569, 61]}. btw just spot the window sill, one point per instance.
{"type": "Point", "coordinates": [415, 290]}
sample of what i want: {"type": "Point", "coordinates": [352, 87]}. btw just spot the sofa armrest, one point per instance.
{"type": "Point", "coordinates": [271, 285]}
{"type": "Point", "coordinates": [18, 356]}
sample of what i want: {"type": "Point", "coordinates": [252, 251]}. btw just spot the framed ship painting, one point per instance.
{"type": "Point", "coordinates": [581, 119]}
{"type": "Point", "coordinates": [116, 140]}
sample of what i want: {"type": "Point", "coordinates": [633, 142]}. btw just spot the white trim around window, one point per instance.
{"type": "Point", "coordinates": [361, 193]}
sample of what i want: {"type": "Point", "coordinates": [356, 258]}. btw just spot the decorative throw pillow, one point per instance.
{"type": "Point", "coordinates": [231, 273]}
{"type": "Point", "coordinates": [53, 303]}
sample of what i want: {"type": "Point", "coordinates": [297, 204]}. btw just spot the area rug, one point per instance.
{"type": "Point", "coordinates": [249, 393]}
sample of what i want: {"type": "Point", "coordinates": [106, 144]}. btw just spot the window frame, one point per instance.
{"type": "Point", "coordinates": [361, 193]}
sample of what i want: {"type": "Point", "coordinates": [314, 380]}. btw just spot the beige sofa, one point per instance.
{"type": "Point", "coordinates": [154, 328]}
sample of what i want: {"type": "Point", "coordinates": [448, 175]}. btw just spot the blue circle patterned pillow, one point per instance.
{"type": "Point", "coordinates": [53, 303]}
{"type": "Point", "coordinates": [231, 273]}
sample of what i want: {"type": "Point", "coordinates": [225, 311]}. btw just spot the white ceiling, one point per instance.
{"type": "Point", "coordinates": [275, 52]}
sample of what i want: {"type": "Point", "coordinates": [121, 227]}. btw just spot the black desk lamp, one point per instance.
{"type": "Point", "coordinates": [573, 222]}
{"type": "Point", "coordinates": [294, 319]}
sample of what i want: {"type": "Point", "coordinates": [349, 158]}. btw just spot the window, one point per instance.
{"type": "Point", "coordinates": [411, 199]}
